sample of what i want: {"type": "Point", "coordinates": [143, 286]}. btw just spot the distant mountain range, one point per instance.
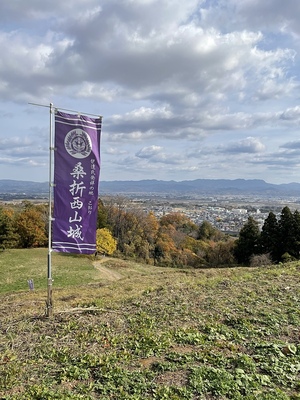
{"type": "Point", "coordinates": [196, 187]}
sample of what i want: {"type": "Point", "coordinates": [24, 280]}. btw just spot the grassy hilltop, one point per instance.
{"type": "Point", "coordinates": [123, 330]}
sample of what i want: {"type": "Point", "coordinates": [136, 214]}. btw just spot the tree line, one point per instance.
{"type": "Point", "coordinates": [279, 238]}
{"type": "Point", "coordinates": [171, 240]}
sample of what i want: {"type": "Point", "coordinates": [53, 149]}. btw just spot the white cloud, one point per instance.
{"type": "Point", "coordinates": [223, 75]}
{"type": "Point", "coordinates": [249, 145]}
{"type": "Point", "coordinates": [149, 152]}
{"type": "Point", "coordinates": [114, 151]}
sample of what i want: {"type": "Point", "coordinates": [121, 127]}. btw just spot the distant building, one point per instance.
{"type": "Point", "coordinates": [239, 211]}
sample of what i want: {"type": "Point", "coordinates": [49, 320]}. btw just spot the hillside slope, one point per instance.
{"type": "Point", "coordinates": [134, 331]}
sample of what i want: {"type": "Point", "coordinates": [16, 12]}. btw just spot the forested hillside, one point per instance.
{"type": "Point", "coordinates": [172, 240]}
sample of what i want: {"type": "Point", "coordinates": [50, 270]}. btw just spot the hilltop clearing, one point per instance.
{"type": "Point", "coordinates": [125, 330]}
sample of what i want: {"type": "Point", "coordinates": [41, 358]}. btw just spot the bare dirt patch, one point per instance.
{"type": "Point", "coordinates": [107, 273]}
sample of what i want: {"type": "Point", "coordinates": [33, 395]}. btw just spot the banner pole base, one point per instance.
{"type": "Point", "coordinates": [49, 303]}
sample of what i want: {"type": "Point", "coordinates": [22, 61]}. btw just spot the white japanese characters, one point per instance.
{"type": "Point", "coordinates": [76, 188]}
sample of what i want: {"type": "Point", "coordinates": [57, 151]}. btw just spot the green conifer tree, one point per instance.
{"type": "Point", "coordinates": [270, 236]}
{"type": "Point", "coordinates": [287, 242]}
{"type": "Point", "coordinates": [248, 241]}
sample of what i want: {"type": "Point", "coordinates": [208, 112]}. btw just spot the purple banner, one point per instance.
{"type": "Point", "coordinates": [76, 177]}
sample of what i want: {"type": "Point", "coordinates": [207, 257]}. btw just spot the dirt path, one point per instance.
{"type": "Point", "coordinates": [106, 273]}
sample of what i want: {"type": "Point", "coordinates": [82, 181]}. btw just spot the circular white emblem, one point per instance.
{"type": "Point", "coordinates": [78, 143]}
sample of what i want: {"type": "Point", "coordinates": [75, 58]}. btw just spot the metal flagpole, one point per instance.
{"type": "Point", "coordinates": [67, 109]}
{"type": "Point", "coordinates": [49, 309]}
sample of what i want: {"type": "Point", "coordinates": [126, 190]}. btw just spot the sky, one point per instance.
{"type": "Point", "coordinates": [193, 89]}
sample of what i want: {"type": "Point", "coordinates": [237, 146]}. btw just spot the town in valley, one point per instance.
{"type": "Point", "coordinates": [227, 212]}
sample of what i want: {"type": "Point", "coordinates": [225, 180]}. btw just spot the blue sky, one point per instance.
{"type": "Point", "coordinates": [187, 89]}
